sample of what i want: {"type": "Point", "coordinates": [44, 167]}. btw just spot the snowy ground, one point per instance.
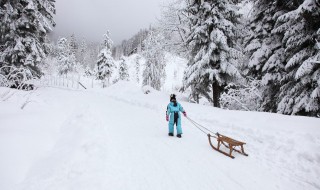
{"type": "Point", "coordinates": [116, 138]}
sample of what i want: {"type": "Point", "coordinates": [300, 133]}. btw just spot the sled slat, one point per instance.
{"type": "Point", "coordinates": [232, 143]}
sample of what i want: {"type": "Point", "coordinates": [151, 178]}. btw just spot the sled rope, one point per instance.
{"type": "Point", "coordinates": [200, 127]}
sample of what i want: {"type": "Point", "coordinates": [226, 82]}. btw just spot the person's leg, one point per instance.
{"type": "Point", "coordinates": [175, 119]}
{"type": "Point", "coordinates": [171, 127]}
{"type": "Point", "coordinates": [179, 128]}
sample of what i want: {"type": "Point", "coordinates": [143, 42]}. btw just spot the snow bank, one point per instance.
{"type": "Point", "coordinates": [28, 128]}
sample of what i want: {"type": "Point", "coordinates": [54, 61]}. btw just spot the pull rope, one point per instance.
{"type": "Point", "coordinates": [202, 128]}
{"type": "Point", "coordinates": [196, 125]}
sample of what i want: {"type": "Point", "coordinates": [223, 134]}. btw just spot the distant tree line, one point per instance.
{"type": "Point", "coordinates": [132, 45]}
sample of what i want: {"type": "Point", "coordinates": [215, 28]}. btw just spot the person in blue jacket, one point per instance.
{"type": "Point", "coordinates": [173, 115]}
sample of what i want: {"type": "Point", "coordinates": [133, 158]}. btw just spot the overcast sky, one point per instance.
{"type": "Point", "coordinates": [92, 18]}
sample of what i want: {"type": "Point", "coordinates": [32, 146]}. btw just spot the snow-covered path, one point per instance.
{"type": "Point", "coordinates": [117, 139]}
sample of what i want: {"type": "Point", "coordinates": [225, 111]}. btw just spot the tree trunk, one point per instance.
{"type": "Point", "coordinates": [216, 91]}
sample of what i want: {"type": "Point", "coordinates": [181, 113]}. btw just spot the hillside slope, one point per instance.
{"type": "Point", "coordinates": [116, 138]}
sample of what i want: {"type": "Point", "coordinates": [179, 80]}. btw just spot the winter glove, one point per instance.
{"type": "Point", "coordinates": [167, 117]}
{"type": "Point", "coordinates": [185, 114]}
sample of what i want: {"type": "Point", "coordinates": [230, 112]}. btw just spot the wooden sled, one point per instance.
{"type": "Point", "coordinates": [227, 142]}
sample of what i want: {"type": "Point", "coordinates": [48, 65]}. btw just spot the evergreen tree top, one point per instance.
{"type": "Point", "coordinates": [108, 43]}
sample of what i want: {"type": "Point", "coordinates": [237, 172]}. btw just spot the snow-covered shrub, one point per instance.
{"type": "Point", "coordinates": [3, 80]}
{"type": "Point", "coordinates": [50, 66]}
{"type": "Point", "coordinates": [16, 78]}
{"type": "Point", "coordinates": [88, 72]}
{"type": "Point", "coordinates": [147, 89]}
{"type": "Point", "coordinates": [242, 97]}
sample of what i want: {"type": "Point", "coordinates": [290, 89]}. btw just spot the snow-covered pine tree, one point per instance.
{"type": "Point", "coordinates": [265, 49]}
{"type": "Point", "coordinates": [51, 48]}
{"type": "Point", "coordinates": [132, 45]}
{"type": "Point", "coordinates": [73, 44]}
{"type": "Point", "coordinates": [154, 72]}
{"type": "Point", "coordinates": [83, 52]}
{"type": "Point", "coordinates": [123, 70]}
{"type": "Point", "coordinates": [212, 40]}
{"type": "Point", "coordinates": [92, 53]}
{"type": "Point", "coordinates": [88, 71]}
{"type": "Point", "coordinates": [137, 66]}
{"type": "Point", "coordinates": [105, 62]}
{"type": "Point", "coordinates": [66, 58]}
{"type": "Point", "coordinates": [24, 25]}
{"type": "Point", "coordinates": [300, 28]}
{"type": "Point", "coordinates": [174, 26]}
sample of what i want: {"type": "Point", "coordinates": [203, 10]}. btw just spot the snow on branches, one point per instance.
{"type": "Point", "coordinates": [105, 62]}
{"type": "Point", "coordinates": [23, 29]}
{"type": "Point", "coordinates": [212, 39]}
{"type": "Point", "coordinates": [154, 72]}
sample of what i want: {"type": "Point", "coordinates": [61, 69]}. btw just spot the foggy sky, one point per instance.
{"type": "Point", "coordinates": [92, 18]}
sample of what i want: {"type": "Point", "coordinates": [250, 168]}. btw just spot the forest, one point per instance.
{"type": "Point", "coordinates": [266, 58]}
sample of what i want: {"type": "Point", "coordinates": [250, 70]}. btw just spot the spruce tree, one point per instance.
{"type": "Point", "coordinates": [137, 67]}
{"type": "Point", "coordinates": [24, 25]}
{"type": "Point", "coordinates": [265, 51]}
{"type": "Point", "coordinates": [154, 73]}
{"type": "Point", "coordinates": [73, 44]}
{"type": "Point", "coordinates": [105, 62]}
{"type": "Point", "coordinates": [66, 58]}
{"type": "Point", "coordinates": [83, 52]}
{"type": "Point", "coordinates": [300, 88]}
{"type": "Point", "coordinates": [123, 70]}
{"type": "Point", "coordinates": [212, 40]}
{"type": "Point", "coordinates": [88, 71]}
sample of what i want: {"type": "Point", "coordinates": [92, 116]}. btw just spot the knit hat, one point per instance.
{"type": "Point", "coordinates": [172, 97]}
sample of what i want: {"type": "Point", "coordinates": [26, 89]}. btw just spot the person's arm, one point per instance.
{"type": "Point", "coordinates": [167, 113]}
{"type": "Point", "coordinates": [182, 110]}
{"type": "Point", "coordinates": [168, 110]}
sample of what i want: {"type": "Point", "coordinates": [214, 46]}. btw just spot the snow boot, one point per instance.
{"type": "Point", "coordinates": [179, 135]}
{"type": "Point", "coordinates": [171, 134]}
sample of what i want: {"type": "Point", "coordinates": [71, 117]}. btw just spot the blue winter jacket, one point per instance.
{"type": "Point", "coordinates": [171, 109]}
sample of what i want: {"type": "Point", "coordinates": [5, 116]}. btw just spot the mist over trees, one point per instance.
{"type": "Point", "coordinates": [132, 45]}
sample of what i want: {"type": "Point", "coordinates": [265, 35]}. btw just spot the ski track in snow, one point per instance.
{"type": "Point", "coordinates": [117, 139]}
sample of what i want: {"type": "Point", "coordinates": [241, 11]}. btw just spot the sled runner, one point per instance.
{"type": "Point", "coordinates": [228, 143]}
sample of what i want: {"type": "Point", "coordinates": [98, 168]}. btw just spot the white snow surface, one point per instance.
{"type": "Point", "coordinates": [116, 138]}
